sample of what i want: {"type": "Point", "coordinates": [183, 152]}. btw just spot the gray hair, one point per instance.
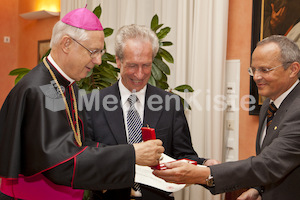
{"type": "Point", "coordinates": [61, 29]}
{"type": "Point", "coordinates": [137, 32]}
{"type": "Point", "coordinates": [288, 49]}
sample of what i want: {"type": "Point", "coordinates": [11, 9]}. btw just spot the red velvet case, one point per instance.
{"type": "Point", "coordinates": [148, 134]}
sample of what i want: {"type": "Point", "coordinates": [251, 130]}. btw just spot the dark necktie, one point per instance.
{"type": "Point", "coordinates": [270, 113]}
{"type": "Point", "coordinates": [134, 125]}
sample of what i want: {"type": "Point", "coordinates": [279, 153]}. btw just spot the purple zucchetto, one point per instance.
{"type": "Point", "coordinates": [83, 18]}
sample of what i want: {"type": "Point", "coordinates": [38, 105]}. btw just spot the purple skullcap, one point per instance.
{"type": "Point", "coordinates": [84, 19]}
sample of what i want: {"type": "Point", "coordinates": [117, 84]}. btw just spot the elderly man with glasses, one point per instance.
{"type": "Point", "coordinates": [45, 151]}
{"type": "Point", "coordinates": [273, 174]}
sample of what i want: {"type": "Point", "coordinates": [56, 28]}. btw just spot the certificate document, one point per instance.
{"type": "Point", "coordinates": [144, 176]}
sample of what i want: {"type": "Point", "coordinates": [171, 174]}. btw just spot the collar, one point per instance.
{"type": "Point", "coordinates": [125, 93]}
{"type": "Point", "coordinates": [55, 65]}
{"type": "Point", "coordinates": [280, 99]}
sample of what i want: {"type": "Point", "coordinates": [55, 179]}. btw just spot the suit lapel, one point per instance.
{"type": "Point", "coordinates": [279, 115]}
{"type": "Point", "coordinates": [115, 118]}
{"type": "Point", "coordinates": [274, 126]}
{"type": "Point", "coordinates": [150, 117]}
{"type": "Point", "coordinates": [262, 117]}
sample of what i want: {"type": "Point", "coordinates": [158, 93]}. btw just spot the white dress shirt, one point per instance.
{"type": "Point", "coordinates": [139, 105]}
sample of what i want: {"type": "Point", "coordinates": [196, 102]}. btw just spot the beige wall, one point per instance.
{"type": "Point", "coordinates": [24, 35]}
{"type": "Point", "coordinates": [8, 52]}
{"type": "Point", "coordinates": [239, 47]}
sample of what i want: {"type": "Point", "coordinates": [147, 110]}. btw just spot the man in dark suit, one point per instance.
{"type": "Point", "coordinates": [275, 170]}
{"type": "Point", "coordinates": [136, 46]}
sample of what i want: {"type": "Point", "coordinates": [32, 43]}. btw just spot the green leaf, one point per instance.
{"type": "Point", "coordinates": [156, 73]}
{"type": "Point", "coordinates": [162, 85]}
{"type": "Point", "coordinates": [151, 81]}
{"type": "Point", "coordinates": [86, 195]}
{"type": "Point", "coordinates": [157, 27]}
{"type": "Point", "coordinates": [184, 88]}
{"type": "Point", "coordinates": [162, 66]}
{"type": "Point", "coordinates": [113, 68]}
{"type": "Point", "coordinates": [19, 77]}
{"type": "Point", "coordinates": [164, 78]}
{"type": "Point", "coordinates": [154, 22]}
{"type": "Point", "coordinates": [109, 57]}
{"type": "Point", "coordinates": [167, 43]}
{"type": "Point", "coordinates": [104, 85]}
{"type": "Point", "coordinates": [110, 80]}
{"type": "Point", "coordinates": [108, 32]}
{"type": "Point", "coordinates": [19, 71]}
{"type": "Point", "coordinates": [86, 87]}
{"type": "Point", "coordinates": [158, 56]}
{"type": "Point", "coordinates": [108, 70]}
{"type": "Point", "coordinates": [185, 103]}
{"type": "Point", "coordinates": [98, 11]}
{"type": "Point", "coordinates": [166, 55]}
{"type": "Point", "coordinates": [106, 74]}
{"type": "Point", "coordinates": [163, 33]}
{"type": "Point", "coordinates": [45, 55]}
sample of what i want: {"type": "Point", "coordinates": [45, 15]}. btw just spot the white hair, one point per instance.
{"type": "Point", "coordinates": [61, 29]}
{"type": "Point", "coordinates": [137, 32]}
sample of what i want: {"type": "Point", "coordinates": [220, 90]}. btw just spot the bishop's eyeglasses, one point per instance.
{"type": "Point", "coordinates": [94, 53]}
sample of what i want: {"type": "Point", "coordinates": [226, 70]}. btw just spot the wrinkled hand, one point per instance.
{"type": "Point", "coordinates": [211, 162]}
{"type": "Point", "coordinates": [251, 194]}
{"type": "Point", "coordinates": [148, 153]}
{"type": "Point", "coordinates": [277, 17]}
{"type": "Point", "coordinates": [181, 172]}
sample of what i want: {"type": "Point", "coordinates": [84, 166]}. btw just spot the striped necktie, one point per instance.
{"type": "Point", "coordinates": [270, 113]}
{"type": "Point", "coordinates": [134, 125]}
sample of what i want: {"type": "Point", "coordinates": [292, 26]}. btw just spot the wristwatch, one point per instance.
{"type": "Point", "coordinates": [210, 181]}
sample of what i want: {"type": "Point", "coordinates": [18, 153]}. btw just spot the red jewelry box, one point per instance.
{"type": "Point", "coordinates": [148, 133]}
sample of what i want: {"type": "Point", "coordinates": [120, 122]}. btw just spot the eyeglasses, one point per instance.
{"type": "Point", "coordinates": [263, 70]}
{"type": "Point", "coordinates": [94, 53]}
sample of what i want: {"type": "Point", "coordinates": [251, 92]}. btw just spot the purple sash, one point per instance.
{"type": "Point", "coordinates": [38, 187]}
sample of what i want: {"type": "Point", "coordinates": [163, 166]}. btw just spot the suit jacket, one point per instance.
{"type": "Point", "coordinates": [276, 168]}
{"type": "Point", "coordinates": [170, 126]}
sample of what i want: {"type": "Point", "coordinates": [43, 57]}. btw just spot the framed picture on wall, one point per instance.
{"type": "Point", "coordinates": [43, 47]}
{"type": "Point", "coordinates": [272, 17]}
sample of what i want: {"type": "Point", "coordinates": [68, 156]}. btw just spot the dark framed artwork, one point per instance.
{"type": "Point", "coordinates": [43, 47]}
{"type": "Point", "coordinates": [271, 17]}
